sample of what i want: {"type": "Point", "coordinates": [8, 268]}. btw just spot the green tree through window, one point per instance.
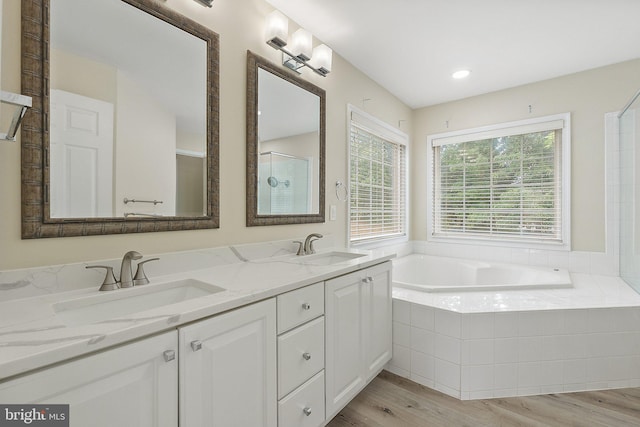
{"type": "Point", "coordinates": [503, 186]}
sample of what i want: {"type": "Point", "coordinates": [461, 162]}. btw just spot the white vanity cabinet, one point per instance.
{"type": "Point", "coordinates": [358, 332]}
{"type": "Point", "coordinates": [293, 360]}
{"type": "Point", "coordinates": [228, 369]}
{"type": "Point", "coordinates": [301, 361]}
{"type": "Point", "coordinates": [133, 385]}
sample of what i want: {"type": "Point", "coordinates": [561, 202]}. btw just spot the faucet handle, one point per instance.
{"type": "Point", "coordinates": [313, 238]}
{"type": "Point", "coordinates": [141, 278]}
{"type": "Point", "coordinates": [300, 247]}
{"type": "Point", "coordinates": [109, 283]}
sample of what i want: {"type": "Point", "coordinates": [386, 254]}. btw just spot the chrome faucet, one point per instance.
{"type": "Point", "coordinates": [126, 275]}
{"type": "Point", "coordinates": [308, 243]}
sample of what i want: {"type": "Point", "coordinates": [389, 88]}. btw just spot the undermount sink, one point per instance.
{"type": "Point", "coordinates": [122, 302]}
{"type": "Point", "coordinates": [328, 258]}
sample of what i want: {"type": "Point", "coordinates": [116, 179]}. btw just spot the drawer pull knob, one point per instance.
{"type": "Point", "coordinates": [306, 306]}
{"type": "Point", "coordinates": [306, 356]}
{"type": "Point", "coordinates": [307, 411]}
{"type": "Point", "coordinates": [196, 345]}
{"type": "Point", "coordinates": [169, 355]}
{"type": "Point", "coordinates": [367, 279]}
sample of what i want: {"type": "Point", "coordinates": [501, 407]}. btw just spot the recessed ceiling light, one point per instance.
{"type": "Point", "coordinates": [461, 74]}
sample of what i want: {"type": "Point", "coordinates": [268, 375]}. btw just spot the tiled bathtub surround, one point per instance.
{"type": "Point", "coordinates": [483, 345]}
{"type": "Point", "coordinates": [496, 344]}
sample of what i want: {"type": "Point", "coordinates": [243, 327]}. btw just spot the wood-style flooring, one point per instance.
{"type": "Point", "coordinates": [392, 401]}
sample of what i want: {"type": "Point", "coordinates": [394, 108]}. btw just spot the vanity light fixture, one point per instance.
{"type": "Point", "coordinates": [301, 53]}
{"type": "Point", "coordinates": [207, 3]}
{"type": "Point", "coordinates": [22, 103]}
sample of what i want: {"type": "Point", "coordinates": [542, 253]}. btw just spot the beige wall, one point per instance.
{"type": "Point", "coordinates": [145, 151]}
{"type": "Point", "coordinates": [240, 25]}
{"type": "Point", "coordinates": [82, 76]}
{"type": "Point", "coordinates": [587, 96]}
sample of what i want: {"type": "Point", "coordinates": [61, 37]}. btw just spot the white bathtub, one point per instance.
{"type": "Point", "coordinates": [439, 274]}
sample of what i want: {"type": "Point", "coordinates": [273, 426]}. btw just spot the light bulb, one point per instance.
{"type": "Point", "coordinates": [277, 29]}
{"type": "Point", "coordinates": [301, 44]}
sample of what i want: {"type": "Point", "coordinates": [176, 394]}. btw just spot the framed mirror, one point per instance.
{"type": "Point", "coordinates": [286, 118]}
{"type": "Point", "coordinates": [123, 133]}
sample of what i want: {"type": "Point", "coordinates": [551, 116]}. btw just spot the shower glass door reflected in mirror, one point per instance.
{"type": "Point", "coordinates": [284, 184]}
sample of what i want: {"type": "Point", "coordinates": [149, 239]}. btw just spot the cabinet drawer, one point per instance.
{"type": "Point", "coordinates": [300, 355]}
{"type": "Point", "coordinates": [299, 306]}
{"type": "Point", "coordinates": [305, 406]}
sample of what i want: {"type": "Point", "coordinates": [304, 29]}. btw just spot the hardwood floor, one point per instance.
{"type": "Point", "coordinates": [392, 401]}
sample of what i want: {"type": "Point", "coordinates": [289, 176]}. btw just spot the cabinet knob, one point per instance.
{"type": "Point", "coordinates": [306, 306]}
{"type": "Point", "coordinates": [196, 345]}
{"type": "Point", "coordinates": [307, 411]}
{"type": "Point", "coordinates": [306, 356]}
{"type": "Point", "coordinates": [367, 279]}
{"type": "Point", "coordinates": [169, 355]}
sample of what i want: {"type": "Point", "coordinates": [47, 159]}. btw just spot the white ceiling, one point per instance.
{"type": "Point", "coordinates": [411, 47]}
{"type": "Point", "coordinates": [285, 109]}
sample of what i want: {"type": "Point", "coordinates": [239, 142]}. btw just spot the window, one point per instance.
{"type": "Point", "coordinates": [377, 180]}
{"type": "Point", "coordinates": [507, 182]}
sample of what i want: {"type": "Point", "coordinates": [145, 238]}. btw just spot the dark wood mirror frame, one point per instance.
{"type": "Point", "coordinates": [36, 220]}
{"type": "Point", "coordinates": [254, 62]}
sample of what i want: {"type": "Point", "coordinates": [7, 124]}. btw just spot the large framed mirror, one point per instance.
{"type": "Point", "coordinates": [123, 133]}
{"type": "Point", "coordinates": [286, 118]}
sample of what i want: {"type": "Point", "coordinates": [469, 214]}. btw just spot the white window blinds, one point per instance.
{"type": "Point", "coordinates": [378, 180]}
{"type": "Point", "coordinates": [501, 184]}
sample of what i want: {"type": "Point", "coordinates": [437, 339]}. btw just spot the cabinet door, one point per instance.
{"type": "Point", "coordinates": [130, 386]}
{"type": "Point", "coordinates": [228, 369]}
{"type": "Point", "coordinates": [378, 323]}
{"type": "Point", "coordinates": [344, 319]}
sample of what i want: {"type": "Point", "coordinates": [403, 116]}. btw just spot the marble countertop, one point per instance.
{"type": "Point", "coordinates": [33, 336]}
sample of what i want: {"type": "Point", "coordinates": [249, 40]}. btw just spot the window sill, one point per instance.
{"type": "Point", "coordinates": [506, 243]}
{"type": "Point", "coordinates": [375, 244]}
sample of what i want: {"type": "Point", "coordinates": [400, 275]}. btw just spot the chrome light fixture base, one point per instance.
{"type": "Point", "coordinates": [295, 63]}
{"type": "Point", "coordinates": [292, 63]}
{"type": "Point", "coordinates": [207, 3]}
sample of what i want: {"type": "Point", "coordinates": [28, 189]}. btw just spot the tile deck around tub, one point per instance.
{"type": "Point", "coordinates": [589, 291]}
{"type": "Point", "coordinates": [513, 343]}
